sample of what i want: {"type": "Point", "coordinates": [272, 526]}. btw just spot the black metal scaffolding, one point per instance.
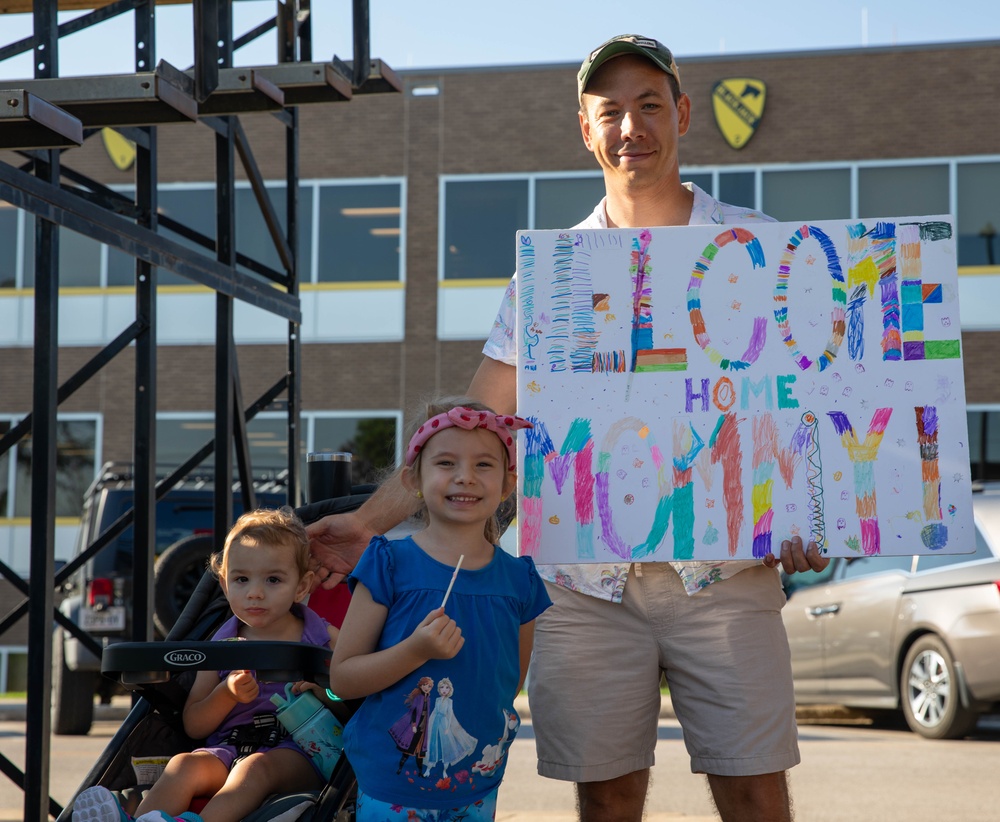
{"type": "Point", "coordinates": [43, 117]}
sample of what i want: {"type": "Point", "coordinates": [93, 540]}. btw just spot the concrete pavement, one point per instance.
{"type": "Point", "coordinates": [14, 709]}
{"type": "Point", "coordinates": [524, 796]}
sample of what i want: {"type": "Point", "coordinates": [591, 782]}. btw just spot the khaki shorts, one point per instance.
{"type": "Point", "coordinates": [595, 673]}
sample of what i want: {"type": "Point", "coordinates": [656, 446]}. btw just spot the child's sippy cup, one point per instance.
{"type": "Point", "coordinates": [314, 729]}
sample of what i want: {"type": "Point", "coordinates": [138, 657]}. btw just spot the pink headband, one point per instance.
{"type": "Point", "coordinates": [503, 425]}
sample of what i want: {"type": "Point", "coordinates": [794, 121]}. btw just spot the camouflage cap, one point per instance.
{"type": "Point", "coordinates": [647, 47]}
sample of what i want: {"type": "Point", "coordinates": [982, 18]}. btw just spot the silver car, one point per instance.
{"type": "Point", "coordinates": [917, 634]}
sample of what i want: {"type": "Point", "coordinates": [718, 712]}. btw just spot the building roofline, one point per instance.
{"type": "Point", "coordinates": [683, 60]}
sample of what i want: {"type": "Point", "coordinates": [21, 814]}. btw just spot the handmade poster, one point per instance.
{"type": "Point", "coordinates": [704, 392]}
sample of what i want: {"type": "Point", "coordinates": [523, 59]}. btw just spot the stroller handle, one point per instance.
{"type": "Point", "coordinates": [144, 663]}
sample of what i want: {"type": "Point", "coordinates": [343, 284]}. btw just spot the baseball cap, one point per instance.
{"type": "Point", "coordinates": [647, 47]}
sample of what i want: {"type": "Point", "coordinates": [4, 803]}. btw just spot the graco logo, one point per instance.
{"type": "Point", "coordinates": [184, 657]}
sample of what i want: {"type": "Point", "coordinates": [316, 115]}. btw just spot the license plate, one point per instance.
{"type": "Point", "coordinates": [107, 619]}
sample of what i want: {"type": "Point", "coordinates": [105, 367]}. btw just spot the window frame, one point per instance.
{"type": "Point", "coordinates": [8, 514]}
{"type": "Point", "coordinates": [317, 184]}
{"type": "Point", "coordinates": [983, 408]}
{"type": "Point", "coordinates": [307, 423]}
{"type": "Point", "coordinates": [531, 178]}
{"type": "Point", "coordinates": [309, 263]}
{"type": "Point", "coordinates": [714, 171]}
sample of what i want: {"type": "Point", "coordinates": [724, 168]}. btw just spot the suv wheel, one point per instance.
{"type": "Point", "coordinates": [72, 693]}
{"type": "Point", "coordinates": [178, 571]}
{"type": "Point", "coordinates": [928, 690]}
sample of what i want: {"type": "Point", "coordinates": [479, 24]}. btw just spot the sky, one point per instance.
{"type": "Point", "coordinates": [458, 33]}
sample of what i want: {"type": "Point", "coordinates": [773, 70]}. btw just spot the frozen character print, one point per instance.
{"type": "Point", "coordinates": [448, 742]}
{"type": "Point", "coordinates": [493, 755]}
{"type": "Point", "coordinates": [409, 732]}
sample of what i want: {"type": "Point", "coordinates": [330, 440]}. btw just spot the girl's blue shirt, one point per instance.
{"type": "Point", "coordinates": [490, 605]}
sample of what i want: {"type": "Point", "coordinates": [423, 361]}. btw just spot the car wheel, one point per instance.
{"type": "Point", "coordinates": [178, 571]}
{"type": "Point", "coordinates": [928, 690]}
{"type": "Point", "coordinates": [72, 693]}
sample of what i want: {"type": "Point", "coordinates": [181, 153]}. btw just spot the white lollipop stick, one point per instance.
{"type": "Point", "coordinates": [454, 574]}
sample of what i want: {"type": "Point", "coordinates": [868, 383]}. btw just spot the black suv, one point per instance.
{"type": "Point", "coordinates": [98, 596]}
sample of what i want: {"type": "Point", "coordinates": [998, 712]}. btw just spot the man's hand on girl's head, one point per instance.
{"type": "Point", "coordinates": [336, 543]}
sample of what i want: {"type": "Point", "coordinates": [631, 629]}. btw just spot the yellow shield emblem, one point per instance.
{"type": "Point", "coordinates": [120, 149]}
{"type": "Point", "coordinates": [739, 104]}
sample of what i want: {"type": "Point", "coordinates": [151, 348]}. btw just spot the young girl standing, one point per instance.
{"type": "Point", "coordinates": [264, 571]}
{"type": "Point", "coordinates": [399, 634]}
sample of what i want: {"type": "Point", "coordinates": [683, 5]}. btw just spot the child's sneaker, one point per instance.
{"type": "Point", "coordinates": [98, 804]}
{"type": "Point", "coordinates": [163, 816]}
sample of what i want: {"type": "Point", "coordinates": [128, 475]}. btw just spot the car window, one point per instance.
{"type": "Point", "coordinates": [178, 515]}
{"type": "Point", "coordinates": [856, 567]}
{"type": "Point", "coordinates": [808, 579]}
{"type": "Point", "coordinates": [931, 561]}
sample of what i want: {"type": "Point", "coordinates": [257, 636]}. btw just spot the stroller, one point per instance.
{"type": "Point", "coordinates": [161, 673]}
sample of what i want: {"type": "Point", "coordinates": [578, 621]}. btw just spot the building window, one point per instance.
{"type": "Point", "coordinates": [360, 235]}
{"type": "Point", "coordinates": [253, 237]}
{"type": "Point", "coordinates": [481, 218]}
{"type": "Point", "coordinates": [360, 241]}
{"type": "Point", "coordinates": [702, 180]}
{"type": "Point", "coordinates": [562, 202]}
{"type": "Point", "coordinates": [738, 188]}
{"type": "Point", "coordinates": [813, 194]}
{"type": "Point", "coordinates": [180, 435]}
{"type": "Point", "coordinates": [121, 269]}
{"type": "Point", "coordinates": [76, 467]}
{"type": "Point", "coordinates": [371, 437]}
{"type": "Point", "coordinates": [373, 442]}
{"type": "Point", "coordinates": [6, 481]}
{"type": "Point", "coordinates": [902, 191]}
{"type": "Point", "coordinates": [8, 245]}
{"type": "Point", "coordinates": [121, 266]}
{"type": "Point", "coordinates": [79, 258]}
{"type": "Point", "coordinates": [195, 207]}
{"type": "Point", "coordinates": [192, 207]}
{"type": "Point", "coordinates": [984, 443]}
{"type": "Point", "coordinates": [978, 213]}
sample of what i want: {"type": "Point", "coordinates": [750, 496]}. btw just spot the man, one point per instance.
{"type": "Point", "coordinates": [714, 629]}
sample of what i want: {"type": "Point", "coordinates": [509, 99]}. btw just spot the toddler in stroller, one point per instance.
{"type": "Point", "coordinates": [263, 571]}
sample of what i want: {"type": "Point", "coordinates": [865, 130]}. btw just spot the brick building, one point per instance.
{"type": "Point", "coordinates": [410, 202]}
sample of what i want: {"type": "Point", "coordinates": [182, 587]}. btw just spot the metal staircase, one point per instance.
{"type": "Point", "coordinates": [43, 118]}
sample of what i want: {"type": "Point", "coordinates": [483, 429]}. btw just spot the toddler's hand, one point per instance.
{"type": "Point", "coordinates": [321, 693]}
{"type": "Point", "coordinates": [438, 636]}
{"type": "Point", "coordinates": [243, 686]}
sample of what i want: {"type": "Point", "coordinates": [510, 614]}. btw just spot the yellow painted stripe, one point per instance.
{"type": "Point", "coordinates": [90, 291]}
{"type": "Point", "coordinates": [125, 290]}
{"type": "Point", "coordinates": [395, 285]}
{"type": "Point", "coordinates": [491, 282]}
{"type": "Point", "coordinates": [978, 270]}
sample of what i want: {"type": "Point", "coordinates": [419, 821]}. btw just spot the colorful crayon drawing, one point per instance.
{"type": "Point", "coordinates": [703, 393]}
